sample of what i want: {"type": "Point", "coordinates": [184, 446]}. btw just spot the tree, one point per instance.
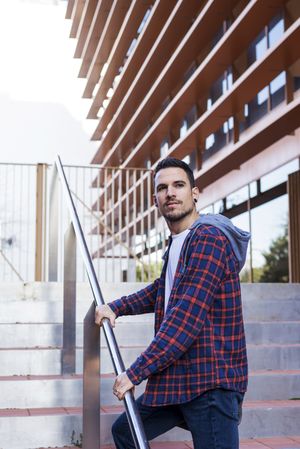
{"type": "Point", "coordinates": [155, 270]}
{"type": "Point", "coordinates": [276, 266]}
{"type": "Point", "coordinates": [245, 275]}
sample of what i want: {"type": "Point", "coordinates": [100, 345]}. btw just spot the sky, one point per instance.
{"type": "Point", "coordinates": [42, 112]}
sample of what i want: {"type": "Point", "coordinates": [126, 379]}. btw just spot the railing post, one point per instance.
{"type": "Point", "coordinates": [91, 381]}
{"type": "Point", "coordinates": [53, 228]}
{"type": "Point", "coordinates": [41, 173]}
{"type": "Point", "coordinates": [69, 313]}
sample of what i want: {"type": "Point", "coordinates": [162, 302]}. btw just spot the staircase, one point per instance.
{"type": "Point", "coordinates": [41, 408]}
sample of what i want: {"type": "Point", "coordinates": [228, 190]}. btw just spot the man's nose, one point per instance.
{"type": "Point", "coordinates": [170, 191]}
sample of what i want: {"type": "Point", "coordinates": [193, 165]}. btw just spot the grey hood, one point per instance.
{"type": "Point", "coordinates": [238, 238]}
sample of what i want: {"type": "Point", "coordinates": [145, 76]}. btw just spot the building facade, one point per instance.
{"type": "Point", "coordinates": [216, 83]}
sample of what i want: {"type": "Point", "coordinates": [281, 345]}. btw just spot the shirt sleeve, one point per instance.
{"type": "Point", "coordinates": [183, 322]}
{"type": "Point", "coordinates": [141, 302]}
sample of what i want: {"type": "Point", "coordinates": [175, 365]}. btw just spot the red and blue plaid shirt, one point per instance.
{"type": "Point", "coordinates": [199, 342]}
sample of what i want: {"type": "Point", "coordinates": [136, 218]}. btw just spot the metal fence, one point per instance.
{"type": "Point", "coordinates": [122, 229]}
{"type": "Point", "coordinates": [17, 221]}
{"type": "Point", "coordinates": [124, 234]}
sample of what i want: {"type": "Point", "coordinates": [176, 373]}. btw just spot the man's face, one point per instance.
{"type": "Point", "coordinates": [174, 195]}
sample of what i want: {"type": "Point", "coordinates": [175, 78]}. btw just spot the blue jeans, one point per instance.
{"type": "Point", "coordinates": [212, 419]}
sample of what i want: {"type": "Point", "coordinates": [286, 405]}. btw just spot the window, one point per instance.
{"type": "Point", "coordinates": [274, 93]}
{"type": "Point", "coordinates": [279, 175]}
{"type": "Point", "coordinates": [238, 197]}
{"type": "Point", "coordinates": [164, 147]}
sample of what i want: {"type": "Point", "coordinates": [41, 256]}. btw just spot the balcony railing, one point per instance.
{"type": "Point", "coordinates": [124, 234]}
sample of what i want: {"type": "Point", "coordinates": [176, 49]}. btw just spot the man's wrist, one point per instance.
{"type": "Point", "coordinates": [113, 307]}
{"type": "Point", "coordinates": [134, 376]}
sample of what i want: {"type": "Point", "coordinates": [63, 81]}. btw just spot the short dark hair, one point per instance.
{"type": "Point", "coordinates": [173, 162]}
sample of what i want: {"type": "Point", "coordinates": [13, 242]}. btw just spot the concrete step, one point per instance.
{"type": "Point", "coordinates": [42, 302]}
{"type": "Point", "coordinates": [49, 291]}
{"type": "Point", "coordinates": [62, 426]}
{"type": "Point", "coordinates": [276, 384]}
{"type": "Point", "coordinates": [110, 291]}
{"type": "Point", "coordinates": [264, 332]}
{"type": "Point", "coordinates": [273, 357]}
{"type": "Point", "coordinates": [132, 332]}
{"type": "Point", "coordinates": [31, 335]}
{"type": "Point", "coordinates": [66, 391]}
{"type": "Point", "coordinates": [43, 361]}
{"type": "Point", "coordinates": [44, 311]}
{"type": "Point", "coordinates": [53, 391]}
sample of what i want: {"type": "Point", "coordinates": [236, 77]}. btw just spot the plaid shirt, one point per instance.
{"type": "Point", "coordinates": [199, 343]}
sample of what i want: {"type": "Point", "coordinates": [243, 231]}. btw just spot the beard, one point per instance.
{"type": "Point", "coordinates": [175, 216]}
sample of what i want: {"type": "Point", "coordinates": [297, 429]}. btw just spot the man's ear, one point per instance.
{"type": "Point", "coordinates": [195, 193]}
{"type": "Point", "coordinates": [154, 200]}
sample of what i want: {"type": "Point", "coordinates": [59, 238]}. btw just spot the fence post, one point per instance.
{"type": "Point", "coordinates": [40, 230]}
{"type": "Point", "coordinates": [91, 381]}
{"type": "Point", "coordinates": [69, 313]}
{"type": "Point", "coordinates": [53, 228]}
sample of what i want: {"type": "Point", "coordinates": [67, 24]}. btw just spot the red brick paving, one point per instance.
{"type": "Point", "coordinates": [279, 442]}
{"type": "Point", "coordinates": [291, 442]}
{"type": "Point", "coordinates": [272, 404]}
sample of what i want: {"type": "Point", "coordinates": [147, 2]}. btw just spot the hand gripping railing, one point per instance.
{"type": "Point", "coordinates": [132, 412]}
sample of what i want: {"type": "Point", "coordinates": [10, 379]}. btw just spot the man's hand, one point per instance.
{"type": "Point", "coordinates": [102, 312]}
{"type": "Point", "coordinates": [121, 385]}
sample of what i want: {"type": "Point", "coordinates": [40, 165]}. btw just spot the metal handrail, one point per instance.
{"type": "Point", "coordinates": [132, 412]}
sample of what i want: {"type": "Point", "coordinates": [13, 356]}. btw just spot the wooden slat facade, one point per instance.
{"type": "Point", "coordinates": [153, 65]}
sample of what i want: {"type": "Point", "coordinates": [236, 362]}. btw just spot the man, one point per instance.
{"type": "Point", "coordinates": [196, 365]}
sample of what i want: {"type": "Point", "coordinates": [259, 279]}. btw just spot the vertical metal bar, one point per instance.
{"type": "Point", "coordinates": [250, 230]}
{"type": "Point", "coordinates": [134, 216]}
{"type": "Point", "coordinates": [149, 222]}
{"type": "Point", "coordinates": [73, 177]}
{"type": "Point", "coordinates": [53, 229]}
{"type": "Point", "coordinates": [113, 224]}
{"type": "Point", "coordinates": [45, 221]}
{"type": "Point", "coordinates": [127, 221]}
{"type": "Point", "coordinates": [105, 221]}
{"type": "Point", "coordinates": [164, 237]}
{"type": "Point", "coordinates": [156, 235]}
{"type": "Point", "coordinates": [83, 216]}
{"type": "Point", "coordinates": [12, 260]}
{"type": "Point", "coordinates": [91, 381]}
{"type": "Point", "coordinates": [142, 223]}
{"type": "Point", "coordinates": [21, 210]}
{"type": "Point", "coordinates": [69, 313]}
{"type": "Point", "coordinates": [99, 240]}
{"type": "Point", "coordinates": [6, 203]}
{"type": "Point", "coordinates": [39, 214]}
{"type": "Point", "coordinates": [120, 222]}
{"type": "Point", "coordinates": [90, 226]}
{"type": "Point", "coordinates": [28, 177]}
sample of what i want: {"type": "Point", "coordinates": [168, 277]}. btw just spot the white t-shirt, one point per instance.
{"type": "Point", "coordinates": [174, 253]}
